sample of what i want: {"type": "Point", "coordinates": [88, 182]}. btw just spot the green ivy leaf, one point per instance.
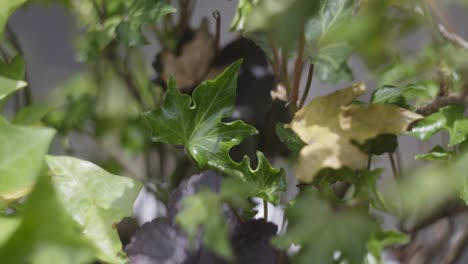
{"type": "Point", "coordinates": [139, 13]}
{"type": "Point", "coordinates": [204, 209]}
{"type": "Point", "coordinates": [388, 94]}
{"type": "Point", "coordinates": [14, 70]}
{"type": "Point", "coordinates": [320, 231]}
{"type": "Point", "coordinates": [96, 199]}
{"type": "Point", "coordinates": [330, 57]}
{"type": "Point", "coordinates": [46, 233]}
{"type": "Point", "coordinates": [381, 144]}
{"type": "Point", "coordinates": [288, 137]}
{"type": "Point", "coordinates": [448, 118]}
{"type": "Point", "coordinates": [382, 239]}
{"type": "Point", "coordinates": [8, 86]}
{"type": "Point", "coordinates": [21, 158]}
{"type": "Point", "coordinates": [7, 8]}
{"type": "Point", "coordinates": [366, 188]}
{"type": "Point", "coordinates": [195, 122]}
{"type": "Point", "coordinates": [283, 19]}
{"type": "Point", "coordinates": [436, 153]}
{"type": "Point", "coordinates": [244, 8]}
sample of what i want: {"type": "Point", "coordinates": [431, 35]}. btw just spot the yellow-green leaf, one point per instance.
{"type": "Point", "coordinates": [331, 125]}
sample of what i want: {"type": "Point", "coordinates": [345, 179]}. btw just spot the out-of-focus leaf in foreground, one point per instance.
{"type": "Point", "coordinates": [21, 158]}
{"type": "Point", "coordinates": [321, 231]}
{"type": "Point", "coordinates": [437, 183]}
{"type": "Point", "coordinates": [331, 125]}
{"type": "Point", "coordinates": [46, 233]}
{"type": "Point", "coordinates": [97, 201]}
{"type": "Point", "coordinates": [7, 7]}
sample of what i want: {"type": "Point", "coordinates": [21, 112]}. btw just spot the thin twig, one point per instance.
{"type": "Point", "coordinates": [298, 69]}
{"type": "Point", "coordinates": [393, 164]}
{"type": "Point", "coordinates": [217, 17]}
{"type": "Point", "coordinates": [284, 72]}
{"type": "Point", "coordinates": [457, 250]}
{"type": "Point", "coordinates": [265, 210]}
{"type": "Point", "coordinates": [441, 101]}
{"type": "Point", "coordinates": [310, 76]}
{"type": "Point", "coordinates": [28, 97]}
{"type": "Point", "coordinates": [276, 58]}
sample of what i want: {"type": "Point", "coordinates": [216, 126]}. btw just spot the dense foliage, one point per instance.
{"type": "Point", "coordinates": [205, 135]}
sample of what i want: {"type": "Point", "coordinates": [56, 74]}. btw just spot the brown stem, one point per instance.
{"type": "Point", "coordinates": [217, 17]}
{"type": "Point", "coordinates": [284, 72]}
{"type": "Point", "coordinates": [457, 250]}
{"type": "Point", "coordinates": [394, 167]}
{"type": "Point", "coordinates": [310, 76]}
{"type": "Point", "coordinates": [441, 101]}
{"type": "Point", "coordinates": [298, 69]}
{"type": "Point", "coordinates": [276, 58]}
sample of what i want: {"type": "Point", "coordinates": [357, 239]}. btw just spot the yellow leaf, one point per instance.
{"type": "Point", "coordinates": [331, 125]}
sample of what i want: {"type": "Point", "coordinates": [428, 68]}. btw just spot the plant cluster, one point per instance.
{"type": "Point", "coordinates": [203, 134]}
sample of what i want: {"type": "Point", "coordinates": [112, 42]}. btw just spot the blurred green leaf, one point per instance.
{"type": "Point", "coordinates": [436, 153]}
{"type": "Point", "coordinates": [283, 19]}
{"type": "Point", "coordinates": [139, 13]}
{"type": "Point", "coordinates": [7, 8]}
{"type": "Point", "coordinates": [46, 233]}
{"type": "Point", "coordinates": [8, 225]}
{"type": "Point", "coordinates": [195, 122]}
{"type": "Point", "coordinates": [205, 209]}
{"type": "Point", "coordinates": [366, 188]}
{"type": "Point", "coordinates": [8, 86]}
{"type": "Point", "coordinates": [320, 231]}
{"type": "Point", "coordinates": [31, 115]}
{"type": "Point", "coordinates": [244, 8]}
{"type": "Point", "coordinates": [21, 158]}
{"type": "Point", "coordinates": [330, 57]}
{"type": "Point", "coordinates": [96, 199]}
{"type": "Point", "coordinates": [382, 239]}
{"type": "Point", "coordinates": [437, 183]}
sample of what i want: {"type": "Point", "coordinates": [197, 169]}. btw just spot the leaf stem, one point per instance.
{"type": "Point", "coordinates": [310, 76]}
{"type": "Point", "coordinates": [217, 17]}
{"type": "Point", "coordinates": [284, 72]}
{"type": "Point", "coordinates": [298, 69]}
{"type": "Point", "coordinates": [265, 210]}
{"type": "Point", "coordinates": [276, 58]}
{"type": "Point", "coordinates": [393, 164]}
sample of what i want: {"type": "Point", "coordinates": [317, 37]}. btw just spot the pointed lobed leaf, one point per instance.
{"type": "Point", "coordinates": [320, 231]}
{"type": "Point", "coordinates": [96, 199]}
{"type": "Point", "coordinates": [21, 158]}
{"type": "Point", "coordinates": [46, 233]}
{"type": "Point", "coordinates": [330, 126]}
{"type": "Point", "coordinates": [383, 239]}
{"type": "Point", "coordinates": [195, 122]}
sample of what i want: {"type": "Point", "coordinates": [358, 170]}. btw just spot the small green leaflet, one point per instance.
{"type": "Point", "coordinates": [97, 201]}
{"type": "Point", "coordinates": [8, 86]}
{"type": "Point", "coordinates": [195, 122]}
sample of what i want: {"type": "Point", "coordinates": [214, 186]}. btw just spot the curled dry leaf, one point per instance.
{"type": "Point", "coordinates": [331, 126]}
{"type": "Point", "coordinates": [193, 64]}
